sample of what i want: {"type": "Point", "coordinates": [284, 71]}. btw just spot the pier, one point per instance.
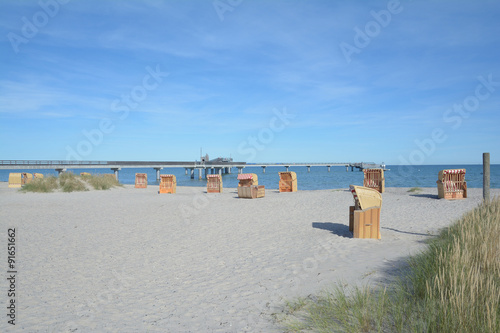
{"type": "Point", "coordinates": [206, 167]}
{"type": "Point", "coordinates": [360, 166]}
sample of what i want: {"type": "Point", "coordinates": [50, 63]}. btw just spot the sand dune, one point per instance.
{"type": "Point", "coordinates": [130, 260]}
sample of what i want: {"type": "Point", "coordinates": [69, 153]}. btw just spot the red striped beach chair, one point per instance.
{"type": "Point", "coordinates": [214, 184]}
{"type": "Point", "coordinates": [374, 178]}
{"type": "Point", "coordinates": [249, 187]}
{"type": "Point", "coordinates": [168, 184]}
{"type": "Point", "coordinates": [451, 184]}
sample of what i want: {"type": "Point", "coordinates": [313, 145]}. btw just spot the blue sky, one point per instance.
{"type": "Point", "coordinates": [400, 82]}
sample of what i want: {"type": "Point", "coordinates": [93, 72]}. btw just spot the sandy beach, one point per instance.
{"type": "Point", "coordinates": [131, 260]}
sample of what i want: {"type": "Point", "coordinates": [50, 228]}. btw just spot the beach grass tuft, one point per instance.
{"type": "Point", "coordinates": [453, 286]}
{"type": "Point", "coordinates": [41, 185]}
{"type": "Point", "coordinates": [415, 190]}
{"type": "Point", "coordinates": [101, 182]}
{"type": "Point", "coordinates": [69, 182]}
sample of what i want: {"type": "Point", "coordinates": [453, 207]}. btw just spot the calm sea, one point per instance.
{"type": "Point", "coordinates": [318, 179]}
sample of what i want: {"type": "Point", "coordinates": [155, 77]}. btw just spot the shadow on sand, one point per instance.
{"type": "Point", "coordinates": [430, 196]}
{"type": "Point", "coordinates": [338, 229]}
{"type": "Point", "coordinates": [406, 232]}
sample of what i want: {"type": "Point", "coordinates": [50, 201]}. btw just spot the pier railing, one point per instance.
{"type": "Point", "coordinates": [51, 162]}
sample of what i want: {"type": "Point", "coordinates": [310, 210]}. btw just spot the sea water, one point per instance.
{"type": "Point", "coordinates": [317, 179]}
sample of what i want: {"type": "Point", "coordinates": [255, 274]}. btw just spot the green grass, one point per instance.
{"type": "Point", "coordinates": [453, 286]}
{"type": "Point", "coordinates": [101, 182]}
{"type": "Point", "coordinates": [69, 182]}
{"type": "Point", "coordinates": [415, 190]}
{"type": "Point", "coordinates": [42, 185]}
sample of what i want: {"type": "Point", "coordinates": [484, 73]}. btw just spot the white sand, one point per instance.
{"type": "Point", "coordinates": [130, 260]}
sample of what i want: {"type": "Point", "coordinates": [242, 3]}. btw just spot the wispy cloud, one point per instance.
{"type": "Point", "coordinates": [226, 77]}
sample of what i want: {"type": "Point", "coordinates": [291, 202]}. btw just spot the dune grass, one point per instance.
{"type": "Point", "coordinates": [69, 182]}
{"type": "Point", "coordinates": [42, 185]}
{"type": "Point", "coordinates": [415, 190]}
{"type": "Point", "coordinates": [101, 182]}
{"type": "Point", "coordinates": [453, 286]}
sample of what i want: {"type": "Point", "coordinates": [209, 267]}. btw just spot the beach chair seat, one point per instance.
{"type": "Point", "coordinates": [364, 216]}
{"type": "Point", "coordinates": [251, 192]}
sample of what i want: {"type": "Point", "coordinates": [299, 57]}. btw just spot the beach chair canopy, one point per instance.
{"type": "Point", "coordinates": [246, 176]}
{"type": "Point", "coordinates": [213, 176]}
{"type": "Point", "coordinates": [365, 197]}
{"type": "Point", "coordinates": [248, 179]}
{"type": "Point", "coordinates": [443, 173]}
{"type": "Point", "coordinates": [288, 175]}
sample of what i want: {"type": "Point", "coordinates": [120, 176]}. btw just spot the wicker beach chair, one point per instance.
{"type": "Point", "coordinates": [141, 180]}
{"type": "Point", "coordinates": [214, 184]}
{"type": "Point", "coordinates": [15, 180]}
{"type": "Point", "coordinates": [364, 216]}
{"type": "Point", "coordinates": [288, 181]}
{"type": "Point", "coordinates": [451, 184]}
{"type": "Point", "coordinates": [168, 184]}
{"type": "Point", "coordinates": [249, 187]}
{"type": "Point", "coordinates": [374, 178]}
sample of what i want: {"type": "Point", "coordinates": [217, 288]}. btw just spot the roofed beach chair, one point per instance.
{"type": "Point", "coordinates": [38, 175]}
{"type": "Point", "coordinates": [364, 216]}
{"type": "Point", "coordinates": [451, 184]}
{"type": "Point", "coordinates": [249, 187]}
{"type": "Point", "coordinates": [15, 180]}
{"type": "Point", "coordinates": [288, 181]}
{"type": "Point", "coordinates": [374, 178]}
{"type": "Point", "coordinates": [168, 184]}
{"type": "Point", "coordinates": [214, 184]}
{"type": "Point", "coordinates": [141, 180]}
